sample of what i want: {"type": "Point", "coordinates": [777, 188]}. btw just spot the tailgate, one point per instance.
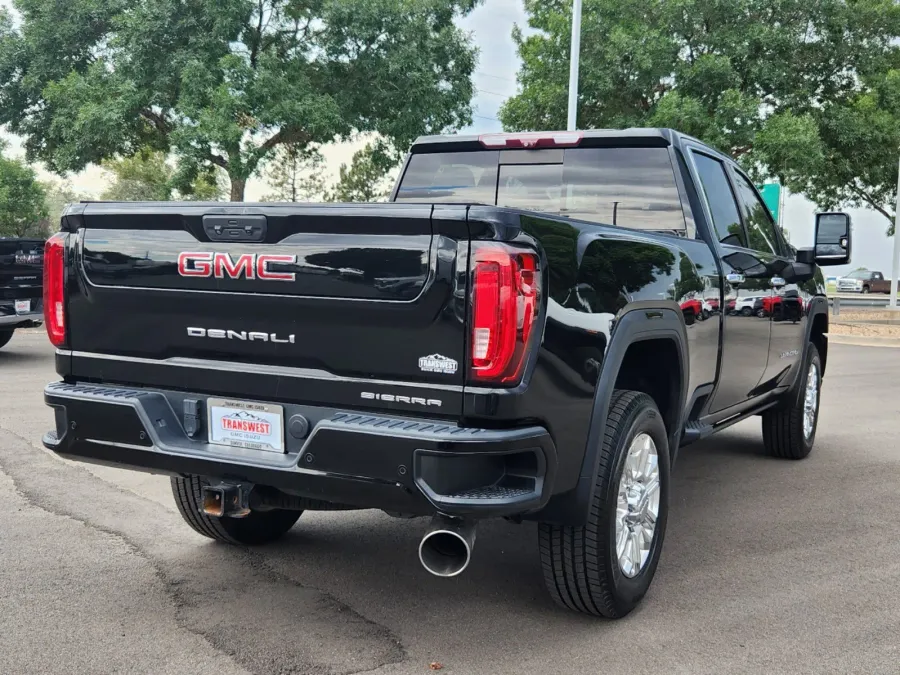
{"type": "Point", "coordinates": [357, 298]}
{"type": "Point", "coordinates": [21, 272]}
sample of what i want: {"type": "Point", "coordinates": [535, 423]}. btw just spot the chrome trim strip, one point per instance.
{"type": "Point", "coordinates": [282, 371]}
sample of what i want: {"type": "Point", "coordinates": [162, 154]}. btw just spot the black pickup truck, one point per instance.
{"type": "Point", "coordinates": [529, 330]}
{"type": "Point", "coordinates": [21, 277]}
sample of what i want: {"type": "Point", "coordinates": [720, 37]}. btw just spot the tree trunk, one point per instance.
{"type": "Point", "coordinates": [237, 189]}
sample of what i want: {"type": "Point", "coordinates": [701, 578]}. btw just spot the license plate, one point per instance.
{"type": "Point", "coordinates": [243, 424]}
{"type": "Point", "coordinates": [23, 306]}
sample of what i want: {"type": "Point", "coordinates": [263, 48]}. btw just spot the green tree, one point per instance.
{"type": "Point", "coordinates": [145, 176]}
{"type": "Point", "coordinates": [225, 82]}
{"type": "Point", "coordinates": [22, 205]}
{"type": "Point", "coordinates": [295, 174]}
{"type": "Point", "coordinates": [58, 195]}
{"type": "Point", "coordinates": [366, 179]}
{"type": "Point", "coordinates": [208, 185]}
{"type": "Point", "coordinates": [688, 280]}
{"type": "Point", "coordinates": [148, 176]}
{"type": "Point", "coordinates": [808, 92]}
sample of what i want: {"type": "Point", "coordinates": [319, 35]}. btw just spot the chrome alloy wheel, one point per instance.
{"type": "Point", "coordinates": [638, 505]}
{"type": "Point", "coordinates": [811, 401]}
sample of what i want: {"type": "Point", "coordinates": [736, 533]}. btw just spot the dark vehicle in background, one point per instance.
{"type": "Point", "coordinates": [788, 306]}
{"type": "Point", "coordinates": [21, 279]}
{"type": "Point", "coordinates": [514, 336]}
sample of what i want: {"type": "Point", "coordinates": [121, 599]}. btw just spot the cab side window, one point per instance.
{"type": "Point", "coordinates": [722, 207]}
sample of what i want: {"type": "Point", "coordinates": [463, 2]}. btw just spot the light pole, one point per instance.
{"type": "Point", "coordinates": [895, 261]}
{"type": "Point", "coordinates": [573, 65]}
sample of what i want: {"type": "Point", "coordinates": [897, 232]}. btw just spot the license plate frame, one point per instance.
{"type": "Point", "coordinates": [234, 423]}
{"type": "Point", "coordinates": [23, 306]}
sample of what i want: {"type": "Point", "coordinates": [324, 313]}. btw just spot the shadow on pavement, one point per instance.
{"type": "Point", "coordinates": [9, 354]}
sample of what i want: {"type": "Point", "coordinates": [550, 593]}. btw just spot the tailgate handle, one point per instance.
{"type": "Point", "coordinates": [235, 228]}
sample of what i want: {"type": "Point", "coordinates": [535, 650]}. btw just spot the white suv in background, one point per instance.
{"type": "Point", "coordinates": [744, 305]}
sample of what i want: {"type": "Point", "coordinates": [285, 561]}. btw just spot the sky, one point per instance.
{"type": "Point", "coordinates": [491, 27]}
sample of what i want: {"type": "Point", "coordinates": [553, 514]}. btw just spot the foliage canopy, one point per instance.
{"type": "Point", "coordinates": [22, 199]}
{"type": "Point", "coordinates": [806, 92]}
{"type": "Point", "coordinates": [225, 82]}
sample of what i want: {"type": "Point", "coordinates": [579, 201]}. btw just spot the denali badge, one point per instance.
{"type": "Point", "coordinates": [393, 398]}
{"type": "Point", "coordinates": [437, 364]}
{"type": "Point", "coordinates": [251, 336]}
{"type": "Point", "coordinates": [222, 266]}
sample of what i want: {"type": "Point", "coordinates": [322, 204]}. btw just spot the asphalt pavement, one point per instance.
{"type": "Point", "coordinates": [768, 567]}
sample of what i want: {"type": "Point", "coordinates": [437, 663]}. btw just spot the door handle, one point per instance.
{"type": "Point", "coordinates": [235, 228]}
{"type": "Point", "coordinates": [734, 278]}
{"type": "Point", "coordinates": [777, 282]}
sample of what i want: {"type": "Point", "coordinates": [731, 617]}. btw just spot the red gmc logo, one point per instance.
{"type": "Point", "coordinates": [223, 266]}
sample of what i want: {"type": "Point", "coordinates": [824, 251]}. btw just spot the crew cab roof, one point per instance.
{"type": "Point", "coordinates": [634, 137]}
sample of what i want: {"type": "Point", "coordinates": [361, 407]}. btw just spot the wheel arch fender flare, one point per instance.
{"type": "Point", "coordinates": [640, 321]}
{"type": "Point", "coordinates": [817, 306]}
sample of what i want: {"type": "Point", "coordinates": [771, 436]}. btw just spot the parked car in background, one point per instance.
{"type": "Point", "coordinates": [787, 306]}
{"type": "Point", "coordinates": [745, 305]}
{"type": "Point", "coordinates": [21, 279]}
{"type": "Point", "coordinates": [692, 308]}
{"type": "Point", "coordinates": [864, 281]}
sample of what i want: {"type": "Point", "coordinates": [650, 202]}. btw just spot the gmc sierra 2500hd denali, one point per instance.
{"type": "Point", "coordinates": [21, 275]}
{"type": "Point", "coordinates": [513, 336]}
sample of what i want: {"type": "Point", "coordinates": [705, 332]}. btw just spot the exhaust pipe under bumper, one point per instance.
{"type": "Point", "coordinates": [446, 547]}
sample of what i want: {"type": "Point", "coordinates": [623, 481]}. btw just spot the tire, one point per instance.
{"type": "Point", "coordinates": [761, 313]}
{"type": "Point", "coordinates": [580, 563]}
{"type": "Point", "coordinates": [5, 337]}
{"type": "Point", "coordinates": [865, 289]}
{"type": "Point", "coordinates": [260, 527]}
{"type": "Point", "coordinates": [784, 433]}
{"type": "Point", "coordinates": [746, 311]}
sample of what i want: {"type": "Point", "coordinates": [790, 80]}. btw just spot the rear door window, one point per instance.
{"type": "Point", "coordinates": [628, 187]}
{"type": "Point", "coordinates": [722, 206]}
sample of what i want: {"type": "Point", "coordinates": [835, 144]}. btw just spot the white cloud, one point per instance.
{"type": "Point", "coordinates": [491, 26]}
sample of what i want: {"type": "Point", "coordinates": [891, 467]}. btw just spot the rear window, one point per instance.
{"type": "Point", "coordinates": [628, 187]}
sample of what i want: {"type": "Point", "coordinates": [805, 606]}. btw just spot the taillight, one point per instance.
{"type": "Point", "coordinates": [54, 288]}
{"type": "Point", "coordinates": [505, 303]}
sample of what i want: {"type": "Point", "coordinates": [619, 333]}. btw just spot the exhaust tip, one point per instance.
{"type": "Point", "coordinates": [444, 553]}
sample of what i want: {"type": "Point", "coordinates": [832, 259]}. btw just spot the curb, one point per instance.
{"type": "Point", "coordinates": [862, 341]}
